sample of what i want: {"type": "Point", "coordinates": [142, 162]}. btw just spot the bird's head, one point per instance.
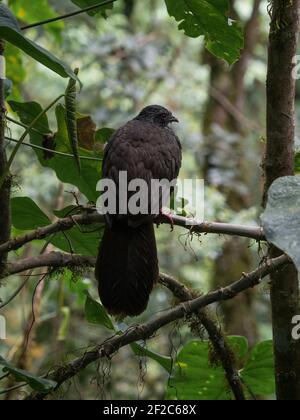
{"type": "Point", "coordinates": [158, 115]}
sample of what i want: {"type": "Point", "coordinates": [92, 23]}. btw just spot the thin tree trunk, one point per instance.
{"type": "Point", "coordinates": [279, 161]}
{"type": "Point", "coordinates": [5, 222]}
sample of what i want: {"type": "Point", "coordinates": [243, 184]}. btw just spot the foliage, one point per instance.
{"type": "Point", "coordinates": [195, 378]}
{"type": "Point", "coordinates": [223, 37]}
{"type": "Point", "coordinates": [120, 70]}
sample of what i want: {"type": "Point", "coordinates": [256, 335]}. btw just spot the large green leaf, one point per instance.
{"type": "Point", "coordinates": [11, 32]}
{"type": "Point", "coordinates": [65, 168]}
{"type": "Point", "coordinates": [195, 379]}
{"type": "Point", "coordinates": [95, 313]}
{"type": "Point", "coordinates": [38, 11]}
{"type": "Point", "coordinates": [140, 349]}
{"type": "Point", "coordinates": [79, 241]}
{"type": "Point", "coordinates": [281, 219]}
{"type": "Point", "coordinates": [15, 70]}
{"type": "Point", "coordinates": [36, 383]}
{"type": "Point", "coordinates": [26, 215]}
{"type": "Point", "coordinates": [259, 373]}
{"type": "Point", "coordinates": [86, 3]}
{"type": "Point", "coordinates": [223, 37]}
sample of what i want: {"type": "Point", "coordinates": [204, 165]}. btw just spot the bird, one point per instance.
{"type": "Point", "coordinates": [127, 263]}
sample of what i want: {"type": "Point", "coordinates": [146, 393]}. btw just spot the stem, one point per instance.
{"type": "Point", "coordinates": [68, 15]}
{"type": "Point", "coordinates": [24, 125]}
{"type": "Point", "coordinates": [279, 162]}
{"type": "Point", "coordinates": [22, 138]}
{"type": "Point", "coordinates": [55, 152]}
{"type": "Point", "coordinates": [5, 213]}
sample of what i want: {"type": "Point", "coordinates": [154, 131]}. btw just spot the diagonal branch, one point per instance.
{"type": "Point", "coordinates": [147, 330]}
{"type": "Point", "coordinates": [218, 340]}
{"type": "Point", "coordinates": [89, 218]}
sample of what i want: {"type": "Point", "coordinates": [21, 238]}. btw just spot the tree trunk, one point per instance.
{"type": "Point", "coordinates": [5, 223]}
{"type": "Point", "coordinates": [279, 161]}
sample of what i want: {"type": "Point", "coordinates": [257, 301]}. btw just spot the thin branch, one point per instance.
{"type": "Point", "coordinates": [54, 152]}
{"type": "Point", "coordinates": [53, 259]}
{"type": "Point", "coordinates": [68, 15]}
{"type": "Point", "coordinates": [93, 218]}
{"type": "Point", "coordinates": [218, 340]}
{"type": "Point", "coordinates": [20, 124]}
{"type": "Point", "coordinates": [147, 330]}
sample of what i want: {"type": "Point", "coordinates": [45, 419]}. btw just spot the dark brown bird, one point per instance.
{"type": "Point", "coordinates": [127, 264]}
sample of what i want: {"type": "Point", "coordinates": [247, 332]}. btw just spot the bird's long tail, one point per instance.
{"type": "Point", "coordinates": [127, 268]}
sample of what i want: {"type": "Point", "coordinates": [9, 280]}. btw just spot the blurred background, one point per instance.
{"type": "Point", "coordinates": [134, 58]}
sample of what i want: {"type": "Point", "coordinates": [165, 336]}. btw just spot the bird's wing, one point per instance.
{"type": "Point", "coordinates": [144, 151]}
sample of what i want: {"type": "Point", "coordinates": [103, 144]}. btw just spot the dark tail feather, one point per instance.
{"type": "Point", "coordinates": [127, 268]}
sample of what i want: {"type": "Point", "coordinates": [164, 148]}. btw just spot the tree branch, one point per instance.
{"type": "Point", "coordinates": [218, 340]}
{"type": "Point", "coordinates": [147, 330]}
{"type": "Point", "coordinates": [53, 259]}
{"type": "Point", "coordinates": [89, 218]}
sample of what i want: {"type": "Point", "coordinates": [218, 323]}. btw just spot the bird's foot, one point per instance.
{"type": "Point", "coordinates": [164, 217]}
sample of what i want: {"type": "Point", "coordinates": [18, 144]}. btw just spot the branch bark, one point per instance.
{"type": "Point", "coordinates": [90, 218]}
{"type": "Point", "coordinates": [5, 214]}
{"type": "Point", "coordinates": [147, 330]}
{"type": "Point", "coordinates": [218, 340]}
{"type": "Point", "coordinates": [279, 161]}
{"type": "Point", "coordinates": [53, 259]}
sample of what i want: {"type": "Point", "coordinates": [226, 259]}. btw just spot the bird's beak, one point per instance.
{"type": "Point", "coordinates": [174, 119]}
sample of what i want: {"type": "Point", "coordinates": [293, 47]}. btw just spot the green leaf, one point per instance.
{"type": "Point", "coordinates": [86, 3]}
{"type": "Point", "coordinates": [223, 38]}
{"type": "Point", "coordinates": [259, 372]}
{"type": "Point", "coordinates": [36, 383]}
{"type": "Point", "coordinates": [140, 350]}
{"type": "Point", "coordinates": [64, 167]}
{"type": "Point", "coordinates": [281, 219]}
{"type": "Point", "coordinates": [79, 241]}
{"type": "Point", "coordinates": [104, 134]}
{"type": "Point", "coordinates": [67, 211]}
{"type": "Point", "coordinates": [95, 313]}
{"type": "Point", "coordinates": [11, 32]}
{"type": "Point", "coordinates": [15, 70]}
{"type": "Point", "coordinates": [26, 215]}
{"type": "Point", "coordinates": [194, 378]}
{"type": "Point", "coordinates": [38, 11]}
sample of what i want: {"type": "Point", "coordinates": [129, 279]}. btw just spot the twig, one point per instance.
{"type": "Point", "coordinates": [144, 331]}
{"type": "Point", "coordinates": [68, 15]}
{"type": "Point", "coordinates": [55, 152]}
